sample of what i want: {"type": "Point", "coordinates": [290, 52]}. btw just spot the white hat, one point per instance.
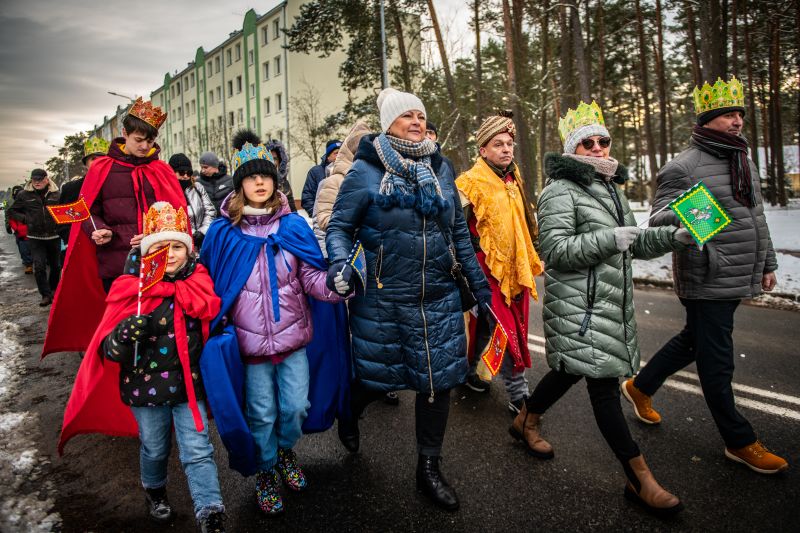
{"type": "Point", "coordinates": [393, 103]}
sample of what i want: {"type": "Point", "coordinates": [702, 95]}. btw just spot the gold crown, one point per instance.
{"type": "Point", "coordinates": [95, 145]}
{"type": "Point", "coordinates": [146, 111]}
{"type": "Point", "coordinates": [163, 217]}
{"type": "Point", "coordinates": [584, 115]}
{"type": "Point", "coordinates": [722, 94]}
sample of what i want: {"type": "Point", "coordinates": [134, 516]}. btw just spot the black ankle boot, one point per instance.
{"type": "Point", "coordinates": [213, 523]}
{"type": "Point", "coordinates": [349, 434]}
{"type": "Point", "coordinates": [158, 506]}
{"type": "Point", "coordinates": [432, 483]}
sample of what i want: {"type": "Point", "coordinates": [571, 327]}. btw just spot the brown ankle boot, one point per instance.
{"type": "Point", "coordinates": [526, 428]}
{"type": "Point", "coordinates": [643, 489]}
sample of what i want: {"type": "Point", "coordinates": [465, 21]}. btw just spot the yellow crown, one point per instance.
{"type": "Point", "coordinates": [163, 217]}
{"type": "Point", "coordinates": [722, 94]}
{"type": "Point", "coordinates": [95, 145]}
{"type": "Point", "coordinates": [584, 115]}
{"type": "Point", "coordinates": [146, 111]}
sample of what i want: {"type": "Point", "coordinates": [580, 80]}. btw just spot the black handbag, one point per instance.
{"type": "Point", "coordinates": [468, 300]}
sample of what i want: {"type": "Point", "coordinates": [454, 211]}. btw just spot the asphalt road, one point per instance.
{"type": "Point", "coordinates": [95, 486]}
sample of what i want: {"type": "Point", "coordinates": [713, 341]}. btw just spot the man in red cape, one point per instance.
{"type": "Point", "coordinates": [139, 179]}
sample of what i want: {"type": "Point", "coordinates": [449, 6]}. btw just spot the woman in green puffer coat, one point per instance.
{"type": "Point", "coordinates": [588, 237]}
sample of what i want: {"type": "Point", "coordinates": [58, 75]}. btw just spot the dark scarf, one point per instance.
{"type": "Point", "coordinates": [734, 148]}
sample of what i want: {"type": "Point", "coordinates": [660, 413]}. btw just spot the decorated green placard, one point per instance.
{"type": "Point", "coordinates": [701, 213]}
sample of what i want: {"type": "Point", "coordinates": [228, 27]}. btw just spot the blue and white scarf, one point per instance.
{"type": "Point", "coordinates": [408, 182]}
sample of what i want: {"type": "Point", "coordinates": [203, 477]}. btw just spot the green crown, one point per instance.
{"type": "Point", "coordinates": [584, 115]}
{"type": "Point", "coordinates": [722, 94]}
{"type": "Point", "coordinates": [95, 145]}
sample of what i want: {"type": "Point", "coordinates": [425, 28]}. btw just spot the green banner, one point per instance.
{"type": "Point", "coordinates": [701, 213]}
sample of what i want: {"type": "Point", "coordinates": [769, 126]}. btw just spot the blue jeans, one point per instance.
{"type": "Point", "coordinates": [24, 251]}
{"type": "Point", "coordinates": [195, 451]}
{"type": "Point", "coordinates": [276, 398]}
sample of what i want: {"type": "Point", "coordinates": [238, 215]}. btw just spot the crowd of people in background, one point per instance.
{"type": "Point", "coordinates": [256, 299]}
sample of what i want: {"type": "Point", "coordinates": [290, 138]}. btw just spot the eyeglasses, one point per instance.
{"type": "Point", "coordinates": [603, 142]}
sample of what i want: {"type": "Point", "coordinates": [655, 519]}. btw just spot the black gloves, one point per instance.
{"type": "Point", "coordinates": [340, 284]}
{"type": "Point", "coordinates": [484, 297]}
{"type": "Point", "coordinates": [133, 329]}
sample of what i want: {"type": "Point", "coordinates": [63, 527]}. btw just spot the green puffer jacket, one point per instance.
{"type": "Point", "coordinates": [589, 322]}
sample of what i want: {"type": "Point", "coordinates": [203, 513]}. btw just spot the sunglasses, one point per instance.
{"type": "Point", "coordinates": [603, 142]}
{"type": "Point", "coordinates": [184, 173]}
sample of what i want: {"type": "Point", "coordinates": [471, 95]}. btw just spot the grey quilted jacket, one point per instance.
{"type": "Point", "coordinates": [589, 323]}
{"type": "Point", "coordinates": [730, 266]}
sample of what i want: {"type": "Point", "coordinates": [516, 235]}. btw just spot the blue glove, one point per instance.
{"type": "Point", "coordinates": [340, 285]}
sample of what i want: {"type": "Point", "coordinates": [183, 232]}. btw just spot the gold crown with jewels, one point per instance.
{"type": "Point", "coordinates": [583, 115]}
{"type": "Point", "coordinates": [146, 111]}
{"type": "Point", "coordinates": [722, 94]}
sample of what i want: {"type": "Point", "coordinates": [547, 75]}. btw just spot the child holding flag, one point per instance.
{"type": "Point", "coordinates": [154, 327]}
{"type": "Point", "coordinates": [265, 262]}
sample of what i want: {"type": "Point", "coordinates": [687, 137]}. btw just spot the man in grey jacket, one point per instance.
{"type": "Point", "coordinates": [737, 263]}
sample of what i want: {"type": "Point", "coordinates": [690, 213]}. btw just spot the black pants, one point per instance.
{"type": "Point", "coordinates": [604, 395]}
{"type": "Point", "coordinates": [706, 339]}
{"type": "Point", "coordinates": [430, 418]}
{"type": "Point", "coordinates": [45, 253]}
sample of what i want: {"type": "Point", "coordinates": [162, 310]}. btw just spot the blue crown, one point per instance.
{"type": "Point", "coordinates": [250, 153]}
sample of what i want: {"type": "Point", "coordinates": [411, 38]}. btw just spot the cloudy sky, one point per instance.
{"type": "Point", "coordinates": [58, 59]}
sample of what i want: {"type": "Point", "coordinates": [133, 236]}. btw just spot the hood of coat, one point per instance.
{"type": "Point", "coordinates": [282, 210]}
{"type": "Point", "coordinates": [51, 187]}
{"type": "Point", "coordinates": [283, 168]}
{"type": "Point", "coordinates": [367, 152]}
{"type": "Point", "coordinates": [347, 152]}
{"type": "Point", "coordinates": [560, 167]}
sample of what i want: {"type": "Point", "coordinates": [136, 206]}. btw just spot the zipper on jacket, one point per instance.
{"type": "Point", "coordinates": [591, 291]}
{"type": "Point", "coordinates": [755, 279]}
{"type": "Point", "coordinates": [621, 219]}
{"type": "Point", "coordinates": [379, 267]}
{"type": "Point", "coordinates": [422, 303]}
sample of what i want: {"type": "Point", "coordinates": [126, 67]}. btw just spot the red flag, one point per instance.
{"type": "Point", "coordinates": [154, 266]}
{"type": "Point", "coordinates": [69, 213]}
{"type": "Point", "coordinates": [493, 356]}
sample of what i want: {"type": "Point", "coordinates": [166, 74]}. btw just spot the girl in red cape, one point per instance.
{"type": "Point", "coordinates": [143, 369]}
{"type": "Point", "coordinates": [118, 189]}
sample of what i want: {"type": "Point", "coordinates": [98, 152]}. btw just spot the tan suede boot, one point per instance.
{"type": "Point", "coordinates": [526, 428]}
{"type": "Point", "coordinates": [642, 488]}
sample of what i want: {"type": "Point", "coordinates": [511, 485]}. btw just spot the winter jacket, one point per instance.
{"type": "Point", "coordinates": [283, 171]}
{"type": "Point", "coordinates": [329, 187]}
{"type": "Point", "coordinates": [730, 265]}
{"type": "Point", "coordinates": [407, 327]}
{"type": "Point", "coordinates": [157, 377]}
{"type": "Point", "coordinates": [260, 336]}
{"type": "Point", "coordinates": [117, 208]}
{"type": "Point", "coordinates": [589, 322]}
{"type": "Point", "coordinates": [217, 186]}
{"type": "Point", "coordinates": [315, 175]}
{"type": "Point", "coordinates": [201, 208]}
{"type": "Point", "coordinates": [30, 208]}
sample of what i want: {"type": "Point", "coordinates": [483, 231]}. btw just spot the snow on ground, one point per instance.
{"type": "Point", "coordinates": [20, 463]}
{"type": "Point", "coordinates": [784, 227]}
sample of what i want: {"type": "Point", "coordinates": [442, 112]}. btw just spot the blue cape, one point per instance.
{"type": "Point", "coordinates": [229, 255]}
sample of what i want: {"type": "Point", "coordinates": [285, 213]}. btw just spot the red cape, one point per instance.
{"type": "Point", "coordinates": [95, 405]}
{"type": "Point", "coordinates": [80, 298]}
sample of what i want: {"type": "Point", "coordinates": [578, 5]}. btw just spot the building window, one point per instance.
{"type": "Point", "coordinates": [230, 88]}
{"type": "Point", "coordinates": [230, 119]}
{"type": "Point", "coordinates": [238, 84]}
{"type": "Point", "coordinates": [276, 28]}
{"type": "Point", "coordinates": [180, 113]}
{"type": "Point", "coordinates": [250, 57]}
{"type": "Point", "coordinates": [191, 79]}
{"type": "Point", "coordinates": [264, 36]}
{"type": "Point", "coordinates": [175, 138]}
{"type": "Point", "coordinates": [228, 57]}
{"type": "Point", "coordinates": [180, 137]}
{"type": "Point", "coordinates": [194, 107]}
{"type": "Point", "coordinates": [202, 85]}
{"type": "Point", "coordinates": [210, 97]}
{"type": "Point", "coordinates": [219, 121]}
{"type": "Point", "coordinates": [194, 132]}
{"type": "Point", "coordinates": [219, 93]}
{"type": "Point", "coordinates": [240, 116]}
{"type": "Point", "coordinates": [265, 69]}
{"type": "Point", "coordinates": [186, 83]}
{"type": "Point", "coordinates": [253, 123]}
{"type": "Point", "coordinates": [277, 69]}
{"type": "Point", "coordinates": [209, 70]}
{"type": "Point", "coordinates": [238, 52]}
{"type": "Point", "coordinates": [252, 90]}
{"type": "Point", "coordinates": [186, 114]}
{"type": "Point", "coordinates": [278, 103]}
{"type": "Point", "coordinates": [217, 63]}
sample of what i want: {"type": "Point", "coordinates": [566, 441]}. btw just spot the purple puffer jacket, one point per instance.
{"type": "Point", "coordinates": [262, 339]}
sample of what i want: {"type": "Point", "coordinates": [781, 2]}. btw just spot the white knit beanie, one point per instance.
{"type": "Point", "coordinates": [576, 136]}
{"type": "Point", "coordinates": [393, 103]}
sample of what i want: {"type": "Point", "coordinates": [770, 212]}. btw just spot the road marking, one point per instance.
{"type": "Point", "coordinates": [764, 407]}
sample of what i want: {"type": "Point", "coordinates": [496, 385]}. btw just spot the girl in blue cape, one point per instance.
{"type": "Point", "coordinates": [265, 262]}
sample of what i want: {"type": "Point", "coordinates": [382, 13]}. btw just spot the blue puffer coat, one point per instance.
{"type": "Point", "coordinates": [407, 328]}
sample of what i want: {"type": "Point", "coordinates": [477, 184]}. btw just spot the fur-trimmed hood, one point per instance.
{"type": "Point", "coordinates": [560, 167]}
{"type": "Point", "coordinates": [51, 187]}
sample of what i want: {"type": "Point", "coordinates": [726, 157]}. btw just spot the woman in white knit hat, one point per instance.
{"type": "Point", "coordinates": [399, 199]}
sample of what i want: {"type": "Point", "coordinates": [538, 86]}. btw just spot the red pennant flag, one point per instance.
{"type": "Point", "coordinates": [69, 213]}
{"type": "Point", "coordinates": [154, 266]}
{"type": "Point", "coordinates": [493, 356]}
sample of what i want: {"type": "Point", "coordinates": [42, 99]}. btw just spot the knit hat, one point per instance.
{"type": "Point", "coordinates": [580, 123]}
{"type": "Point", "coordinates": [330, 146]}
{"type": "Point", "coordinates": [429, 125]}
{"type": "Point", "coordinates": [164, 223]}
{"type": "Point", "coordinates": [38, 174]}
{"type": "Point", "coordinates": [253, 160]}
{"type": "Point", "coordinates": [495, 125]}
{"type": "Point", "coordinates": [180, 163]}
{"type": "Point", "coordinates": [209, 159]}
{"type": "Point", "coordinates": [393, 103]}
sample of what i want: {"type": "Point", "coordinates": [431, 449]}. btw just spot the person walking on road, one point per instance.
{"type": "Point", "coordinates": [399, 199]}
{"type": "Point", "coordinates": [30, 208]}
{"type": "Point", "coordinates": [200, 207]}
{"type": "Point", "coordinates": [214, 179]}
{"type": "Point", "coordinates": [587, 237]}
{"type": "Point", "coordinates": [737, 263]}
{"type": "Point", "coordinates": [316, 174]}
{"type": "Point", "coordinates": [20, 232]}
{"type": "Point", "coordinates": [502, 230]}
